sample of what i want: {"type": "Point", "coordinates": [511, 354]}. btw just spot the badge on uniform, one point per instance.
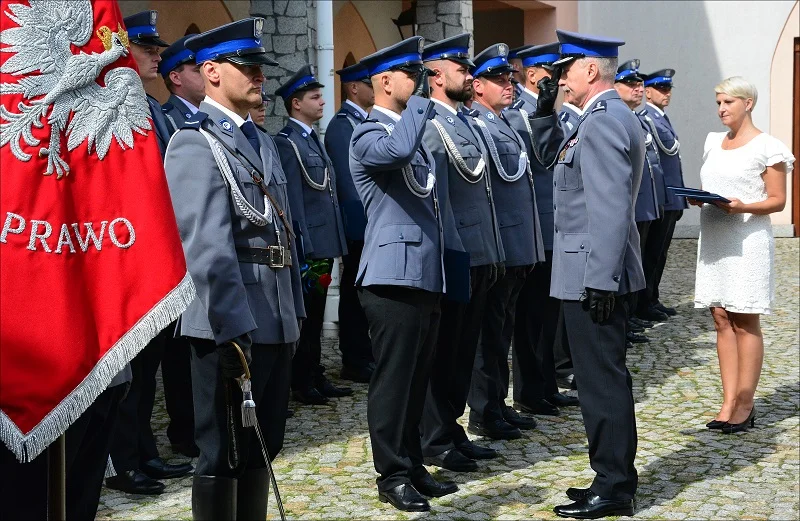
{"type": "Point", "coordinates": [450, 120]}
{"type": "Point", "coordinates": [188, 115]}
{"type": "Point", "coordinates": [226, 125]}
{"type": "Point", "coordinates": [571, 143]}
{"type": "Point", "coordinates": [490, 116]}
{"type": "Point", "coordinates": [304, 134]}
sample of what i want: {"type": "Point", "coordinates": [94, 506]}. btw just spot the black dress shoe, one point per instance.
{"type": "Point", "coordinates": [652, 314]}
{"type": "Point", "coordinates": [715, 424]}
{"type": "Point", "coordinates": [496, 429]}
{"type": "Point", "coordinates": [451, 459]}
{"type": "Point", "coordinates": [425, 484]}
{"type": "Point", "coordinates": [514, 418]}
{"type": "Point", "coordinates": [664, 309]}
{"type": "Point", "coordinates": [594, 507]}
{"type": "Point", "coordinates": [635, 327]}
{"type": "Point", "coordinates": [642, 323]}
{"type": "Point", "coordinates": [563, 400]}
{"type": "Point", "coordinates": [187, 448]}
{"type": "Point", "coordinates": [310, 396]}
{"type": "Point", "coordinates": [356, 374]}
{"type": "Point", "coordinates": [636, 338]}
{"type": "Point", "coordinates": [472, 451]}
{"type": "Point", "coordinates": [326, 388]}
{"type": "Point", "coordinates": [135, 482]}
{"type": "Point", "coordinates": [750, 421]}
{"type": "Point", "coordinates": [540, 407]}
{"type": "Point", "coordinates": [576, 494]}
{"type": "Point", "coordinates": [405, 497]}
{"type": "Point", "coordinates": [157, 468]}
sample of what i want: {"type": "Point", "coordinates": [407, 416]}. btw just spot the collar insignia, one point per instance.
{"type": "Point", "coordinates": [226, 125]}
{"type": "Point", "coordinates": [490, 116]}
{"type": "Point", "coordinates": [450, 120]}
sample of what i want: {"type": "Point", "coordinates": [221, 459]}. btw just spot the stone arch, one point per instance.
{"type": "Point", "coordinates": [192, 29]}
{"type": "Point", "coordinates": [350, 37]}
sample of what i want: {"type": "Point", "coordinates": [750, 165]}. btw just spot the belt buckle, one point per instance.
{"type": "Point", "coordinates": [276, 256]}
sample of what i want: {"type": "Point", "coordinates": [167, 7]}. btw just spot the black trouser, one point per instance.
{"type": "Point", "coordinates": [307, 363]}
{"type": "Point", "coordinates": [532, 358]}
{"type": "Point", "coordinates": [133, 442]}
{"type": "Point", "coordinates": [655, 256]}
{"type": "Point", "coordinates": [403, 326]}
{"type": "Point", "coordinates": [606, 397]}
{"type": "Point", "coordinates": [177, 377]}
{"type": "Point", "coordinates": [487, 394]}
{"type": "Point", "coordinates": [226, 448]}
{"type": "Point", "coordinates": [23, 486]}
{"type": "Point", "coordinates": [640, 300]}
{"type": "Point", "coordinates": [562, 354]}
{"type": "Point", "coordinates": [353, 328]}
{"type": "Point", "coordinates": [452, 365]}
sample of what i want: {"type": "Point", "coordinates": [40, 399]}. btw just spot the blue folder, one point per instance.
{"type": "Point", "coordinates": [697, 195]}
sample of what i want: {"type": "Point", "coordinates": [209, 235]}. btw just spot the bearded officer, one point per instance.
{"type": "Point", "coordinates": [535, 328]}
{"type": "Point", "coordinates": [462, 172]}
{"type": "Point", "coordinates": [184, 82]}
{"type": "Point", "coordinates": [401, 278]}
{"type": "Point", "coordinates": [596, 262]}
{"type": "Point", "coordinates": [518, 221]}
{"type": "Point", "coordinates": [232, 207]}
{"type": "Point", "coordinates": [658, 91]}
{"type": "Point", "coordinates": [357, 360]}
{"type": "Point", "coordinates": [311, 181]}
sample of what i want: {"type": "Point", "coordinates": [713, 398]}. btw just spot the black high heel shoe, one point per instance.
{"type": "Point", "coordinates": [715, 424]}
{"type": "Point", "coordinates": [730, 428]}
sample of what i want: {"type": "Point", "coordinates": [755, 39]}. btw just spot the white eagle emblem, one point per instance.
{"type": "Point", "coordinates": [67, 82]}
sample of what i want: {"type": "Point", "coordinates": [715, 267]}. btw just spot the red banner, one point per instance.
{"type": "Point", "coordinates": [91, 265]}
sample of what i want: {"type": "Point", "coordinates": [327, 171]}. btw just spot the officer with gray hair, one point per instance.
{"type": "Point", "coordinates": [596, 263]}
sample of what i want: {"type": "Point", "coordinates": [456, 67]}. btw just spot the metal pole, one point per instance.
{"type": "Point", "coordinates": [56, 480]}
{"type": "Point", "coordinates": [326, 71]}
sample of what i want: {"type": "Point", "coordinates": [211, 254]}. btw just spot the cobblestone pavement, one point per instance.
{"type": "Point", "coordinates": [685, 471]}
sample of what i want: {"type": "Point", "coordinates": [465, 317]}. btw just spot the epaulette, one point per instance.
{"type": "Point", "coordinates": [195, 121]}
{"type": "Point", "coordinates": [341, 114]}
{"type": "Point", "coordinates": [600, 106]}
{"type": "Point", "coordinates": [518, 104]}
{"type": "Point", "coordinates": [370, 120]}
{"type": "Point", "coordinates": [642, 112]}
{"type": "Point", "coordinates": [166, 107]}
{"type": "Point", "coordinates": [282, 133]}
{"type": "Point", "coordinates": [564, 116]}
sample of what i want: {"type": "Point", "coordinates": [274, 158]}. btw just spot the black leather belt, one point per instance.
{"type": "Point", "coordinates": [272, 256]}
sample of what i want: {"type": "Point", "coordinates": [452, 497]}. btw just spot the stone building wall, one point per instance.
{"type": "Point", "coordinates": [444, 18]}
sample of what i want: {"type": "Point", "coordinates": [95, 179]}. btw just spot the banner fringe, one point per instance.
{"type": "Point", "coordinates": [27, 446]}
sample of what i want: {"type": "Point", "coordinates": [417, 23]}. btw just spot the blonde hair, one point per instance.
{"type": "Point", "coordinates": [738, 87]}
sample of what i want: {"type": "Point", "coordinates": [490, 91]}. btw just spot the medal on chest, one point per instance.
{"type": "Point", "coordinates": [571, 143]}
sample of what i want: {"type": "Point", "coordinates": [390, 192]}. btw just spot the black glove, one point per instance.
{"type": "Point", "coordinates": [548, 92]}
{"type": "Point", "coordinates": [423, 87]}
{"type": "Point", "coordinates": [599, 304]}
{"type": "Point", "coordinates": [230, 363]}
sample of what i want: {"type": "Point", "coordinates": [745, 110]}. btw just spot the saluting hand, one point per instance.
{"type": "Point", "coordinates": [423, 87]}
{"type": "Point", "coordinates": [548, 92]}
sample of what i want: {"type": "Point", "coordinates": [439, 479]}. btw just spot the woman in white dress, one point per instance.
{"type": "Point", "coordinates": [735, 253]}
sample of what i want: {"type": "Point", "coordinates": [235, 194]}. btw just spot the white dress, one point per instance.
{"type": "Point", "coordinates": [735, 252]}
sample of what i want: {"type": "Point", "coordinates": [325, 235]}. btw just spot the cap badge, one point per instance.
{"type": "Point", "coordinates": [258, 27]}
{"type": "Point", "coordinates": [153, 17]}
{"type": "Point", "coordinates": [421, 44]}
{"type": "Point", "coordinates": [226, 125]}
{"type": "Point", "coordinates": [502, 50]}
{"type": "Point", "coordinates": [450, 120]}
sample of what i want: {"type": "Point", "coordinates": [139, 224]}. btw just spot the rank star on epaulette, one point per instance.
{"type": "Point", "coordinates": [599, 106]}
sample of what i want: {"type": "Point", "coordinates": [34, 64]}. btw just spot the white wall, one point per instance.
{"type": "Point", "coordinates": [705, 42]}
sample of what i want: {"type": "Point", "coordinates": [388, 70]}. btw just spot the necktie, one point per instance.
{"type": "Point", "coordinates": [316, 139]}
{"type": "Point", "coordinates": [251, 133]}
{"type": "Point", "coordinates": [462, 117]}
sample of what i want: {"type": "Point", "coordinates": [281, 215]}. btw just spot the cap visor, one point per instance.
{"type": "Point", "coordinates": [565, 59]}
{"type": "Point", "coordinates": [251, 59]}
{"type": "Point", "coordinates": [497, 71]}
{"type": "Point", "coordinates": [152, 40]}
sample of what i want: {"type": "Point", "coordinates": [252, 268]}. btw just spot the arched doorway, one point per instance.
{"type": "Point", "coordinates": [351, 39]}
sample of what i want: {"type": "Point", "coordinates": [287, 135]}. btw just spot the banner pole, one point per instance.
{"type": "Point", "coordinates": [56, 480]}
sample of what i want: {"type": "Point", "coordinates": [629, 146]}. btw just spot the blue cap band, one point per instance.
{"type": "Point", "coordinates": [173, 61]}
{"type": "Point", "coordinates": [626, 72]}
{"type": "Point", "coordinates": [356, 75]}
{"type": "Point", "coordinates": [211, 53]}
{"type": "Point", "coordinates": [532, 61]}
{"type": "Point", "coordinates": [493, 62]}
{"type": "Point", "coordinates": [596, 51]}
{"type": "Point", "coordinates": [658, 79]}
{"type": "Point", "coordinates": [403, 58]}
{"type": "Point", "coordinates": [436, 54]}
{"type": "Point", "coordinates": [142, 30]}
{"type": "Point", "coordinates": [296, 85]}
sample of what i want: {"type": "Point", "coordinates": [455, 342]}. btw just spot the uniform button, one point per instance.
{"type": "Point", "coordinates": [616, 278]}
{"type": "Point", "coordinates": [556, 228]}
{"type": "Point", "coordinates": [461, 222]}
{"type": "Point", "coordinates": [554, 183]}
{"type": "Point", "coordinates": [420, 111]}
{"type": "Point", "coordinates": [401, 236]}
{"type": "Point", "coordinates": [554, 207]}
{"type": "Point", "coordinates": [582, 247]}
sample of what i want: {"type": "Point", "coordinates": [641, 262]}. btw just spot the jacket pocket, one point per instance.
{"type": "Point", "coordinates": [399, 252]}
{"type": "Point", "coordinates": [576, 252]}
{"type": "Point", "coordinates": [508, 219]}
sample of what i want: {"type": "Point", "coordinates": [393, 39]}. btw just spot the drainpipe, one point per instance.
{"type": "Point", "coordinates": [326, 75]}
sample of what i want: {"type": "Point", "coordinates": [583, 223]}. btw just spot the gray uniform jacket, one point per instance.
{"type": "Point", "coordinates": [404, 237]}
{"type": "Point", "coordinates": [316, 211]}
{"type": "Point", "coordinates": [666, 139]}
{"type": "Point", "coordinates": [337, 144]}
{"type": "Point", "coordinates": [597, 176]}
{"type": "Point", "coordinates": [233, 297]}
{"type": "Point", "coordinates": [648, 207]}
{"type": "Point", "coordinates": [568, 117]}
{"type": "Point", "coordinates": [542, 176]}
{"type": "Point", "coordinates": [471, 202]}
{"type": "Point", "coordinates": [176, 113]}
{"type": "Point", "coordinates": [517, 216]}
{"type": "Point", "coordinates": [159, 124]}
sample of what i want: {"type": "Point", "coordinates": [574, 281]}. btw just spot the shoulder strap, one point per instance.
{"type": "Point", "coordinates": [522, 164]}
{"type": "Point", "coordinates": [326, 178]}
{"type": "Point", "coordinates": [408, 174]}
{"type": "Point", "coordinates": [670, 151]}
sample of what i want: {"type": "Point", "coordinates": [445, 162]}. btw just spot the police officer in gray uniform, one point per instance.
{"type": "Point", "coordinates": [596, 262]}
{"type": "Point", "coordinates": [311, 181]}
{"type": "Point", "coordinates": [231, 203]}
{"type": "Point", "coordinates": [184, 81]}
{"type": "Point", "coordinates": [357, 360]}
{"type": "Point", "coordinates": [650, 199]}
{"type": "Point", "coordinates": [535, 327]}
{"type": "Point", "coordinates": [518, 220]}
{"type": "Point", "coordinates": [658, 90]}
{"type": "Point", "coordinates": [461, 172]}
{"type": "Point", "coordinates": [401, 277]}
